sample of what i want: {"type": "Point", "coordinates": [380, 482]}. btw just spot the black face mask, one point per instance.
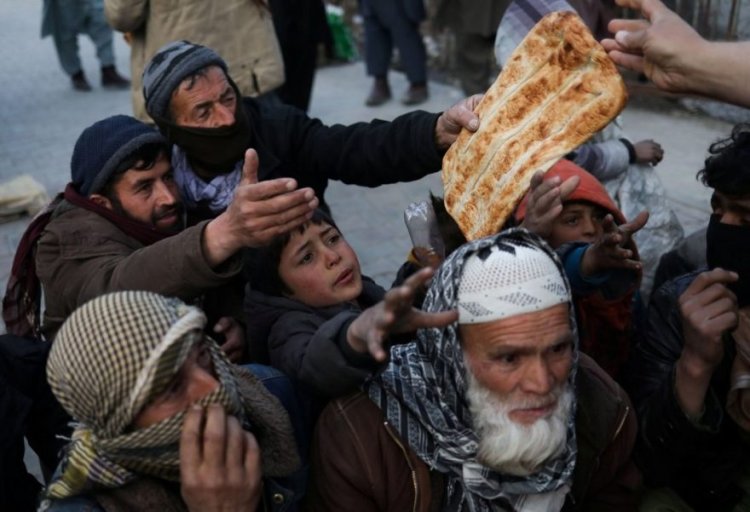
{"type": "Point", "coordinates": [728, 247]}
{"type": "Point", "coordinates": [214, 150]}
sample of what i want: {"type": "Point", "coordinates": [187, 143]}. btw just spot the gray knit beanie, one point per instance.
{"type": "Point", "coordinates": [171, 64]}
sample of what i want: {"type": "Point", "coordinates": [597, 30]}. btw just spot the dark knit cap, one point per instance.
{"type": "Point", "coordinates": [104, 146]}
{"type": "Point", "coordinates": [171, 64]}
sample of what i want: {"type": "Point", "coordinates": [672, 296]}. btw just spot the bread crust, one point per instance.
{"type": "Point", "coordinates": [558, 88]}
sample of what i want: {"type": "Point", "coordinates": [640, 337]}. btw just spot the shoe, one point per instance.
{"type": "Point", "coordinates": [79, 82]}
{"type": "Point", "coordinates": [415, 95]}
{"type": "Point", "coordinates": [111, 79]}
{"type": "Point", "coordinates": [379, 94]}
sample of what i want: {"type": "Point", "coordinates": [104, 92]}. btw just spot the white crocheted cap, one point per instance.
{"type": "Point", "coordinates": [508, 281]}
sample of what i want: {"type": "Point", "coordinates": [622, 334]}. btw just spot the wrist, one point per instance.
{"type": "Point", "coordinates": [354, 340]}
{"type": "Point", "coordinates": [694, 367]}
{"type": "Point", "coordinates": [218, 241]}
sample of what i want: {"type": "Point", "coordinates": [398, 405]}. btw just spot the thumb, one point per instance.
{"type": "Point", "coordinates": [631, 40]}
{"type": "Point", "coordinates": [250, 168]}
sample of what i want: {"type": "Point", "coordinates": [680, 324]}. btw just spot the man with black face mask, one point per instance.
{"type": "Point", "coordinates": [690, 376]}
{"type": "Point", "coordinates": [197, 106]}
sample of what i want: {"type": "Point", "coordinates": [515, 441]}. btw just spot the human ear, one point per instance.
{"type": "Point", "coordinates": [100, 200]}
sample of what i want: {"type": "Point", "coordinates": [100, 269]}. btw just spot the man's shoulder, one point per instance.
{"type": "Point", "coordinates": [603, 405]}
{"type": "Point", "coordinates": [75, 227]}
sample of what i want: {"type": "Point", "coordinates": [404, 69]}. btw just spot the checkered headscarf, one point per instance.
{"type": "Point", "coordinates": [110, 358]}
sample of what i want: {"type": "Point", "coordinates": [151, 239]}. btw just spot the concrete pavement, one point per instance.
{"type": "Point", "coordinates": [41, 117]}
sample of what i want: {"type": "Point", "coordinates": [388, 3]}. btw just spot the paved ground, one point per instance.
{"type": "Point", "coordinates": [41, 117]}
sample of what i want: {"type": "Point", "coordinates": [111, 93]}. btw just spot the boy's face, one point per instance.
{"type": "Point", "coordinates": [580, 221]}
{"type": "Point", "coordinates": [319, 267]}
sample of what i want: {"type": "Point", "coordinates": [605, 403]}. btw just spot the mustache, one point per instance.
{"type": "Point", "coordinates": [167, 211]}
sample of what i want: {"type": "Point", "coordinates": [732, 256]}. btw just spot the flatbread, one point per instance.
{"type": "Point", "coordinates": [558, 88]}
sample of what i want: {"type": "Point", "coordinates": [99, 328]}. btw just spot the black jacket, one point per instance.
{"type": "Point", "coordinates": [291, 144]}
{"type": "Point", "coordinates": [699, 461]}
{"type": "Point", "coordinates": [309, 344]}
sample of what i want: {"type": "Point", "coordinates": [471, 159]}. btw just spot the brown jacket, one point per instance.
{"type": "Point", "coordinates": [360, 463]}
{"type": "Point", "coordinates": [240, 31]}
{"type": "Point", "coordinates": [82, 255]}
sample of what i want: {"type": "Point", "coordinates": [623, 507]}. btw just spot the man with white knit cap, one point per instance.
{"type": "Point", "coordinates": [495, 412]}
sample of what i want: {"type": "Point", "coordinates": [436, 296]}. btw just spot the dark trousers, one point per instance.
{"type": "Point", "coordinates": [389, 23]}
{"type": "Point", "coordinates": [28, 409]}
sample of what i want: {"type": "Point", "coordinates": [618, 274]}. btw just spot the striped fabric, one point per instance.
{"type": "Point", "coordinates": [111, 358]}
{"type": "Point", "coordinates": [422, 393]}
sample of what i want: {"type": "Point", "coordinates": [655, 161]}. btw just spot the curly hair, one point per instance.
{"type": "Point", "coordinates": [728, 168]}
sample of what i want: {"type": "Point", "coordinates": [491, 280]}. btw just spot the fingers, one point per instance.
{"type": "Point", "coordinates": [252, 455]}
{"type": "Point", "coordinates": [617, 25]}
{"type": "Point", "coordinates": [568, 186]}
{"type": "Point", "coordinates": [424, 320]}
{"type": "Point", "coordinates": [631, 40]}
{"type": "Point", "coordinates": [268, 189]}
{"type": "Point", "coordinates": [214, 436]}
{"type": "Point", "coordinates": [223, 324]}
{"type": "Point", "coordinates": [708, 279]}
{"type": "Point", "coordinates": [636, 224]}
{"type": "Point", "coordinates": [250, 168]}
{"type": "Point", "coordinates": [627, 60]}
{"type": "Point", "coordinates": [190, 439]}
{"type": "Point", "coordinates": [235, 443]}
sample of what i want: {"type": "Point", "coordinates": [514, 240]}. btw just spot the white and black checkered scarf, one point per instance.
{"type": "Point", "coordinates": [111, 358]}
{"type": "Point", "coordinates": [422, 393]}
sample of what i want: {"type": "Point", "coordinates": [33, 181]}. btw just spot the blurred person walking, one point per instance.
{"type": "Point", "coordinates": [64, 20]}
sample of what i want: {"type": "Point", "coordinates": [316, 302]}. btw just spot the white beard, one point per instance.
{"type": "Point", "coordinates": [514, 448]}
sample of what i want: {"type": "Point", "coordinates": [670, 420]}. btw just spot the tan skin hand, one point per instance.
{"type": "Point", "coordinates": [394, 314]}
{"type": "Point", "coordinates": [258, 212]}
{"type": "Point", "coordinates": [648, 152]}
{"type": "Point", "coordinates": [220, 465]}
{"type": "Point", "coordinates": [234, 335]}
{"type": "Point", "coordinates": [708, 309]}
{"type": "Point", "coordinates": [452, 121]}
{"type": "Point", "coordinates": [608, 251]}
{"type": "Point", "coordinates": [545, 203]}
{"type": "Point", "coordinates": [660, 48]}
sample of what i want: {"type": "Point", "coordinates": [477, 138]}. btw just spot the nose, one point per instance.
{"type": "Point", "coordinates": [730, 218]}
{"type": "Point", "coordinates": [538, 378]}
{"type": "Point", "coordinates": [200, 382]}
{"type": "Point", "coordinates": [590, 228]}
{"type": "Point", "coordinates": [331, 257]}
{"type": "Point", "coordinates": [165, 193]}
{"type": "Point", "coordinates": [223, 115]}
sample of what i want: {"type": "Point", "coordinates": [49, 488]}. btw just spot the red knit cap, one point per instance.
{"type": "Point", "coordinates": [589, 189]}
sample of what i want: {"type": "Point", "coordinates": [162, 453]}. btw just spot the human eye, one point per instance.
{"type": "Point", "coordinates": [561, 348]}
{"type": "Point", "coordinates": [169, 176]}
{"type": "Point", "coordinates": [306, 258]}
{"type": "Point", "coordinates": [570, 220]}
{"type": "Point", "coordinates": [508, 360]}
{"type": "Point", "coordinates": [334, 239]}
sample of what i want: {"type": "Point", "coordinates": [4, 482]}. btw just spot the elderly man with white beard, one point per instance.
{"type": "Point", "coordinates": [495, 412]}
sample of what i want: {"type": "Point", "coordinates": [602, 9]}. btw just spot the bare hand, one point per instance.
{"type": "Point", "coordinates": [648, 152]}
{"type": "Point", "coordinates": [394, 314]}
{"type": "Point", "coordinates": [608, 251]}
{"type": "Point", "coordinates": [708, 309]}
{"type": "Point", "coordinates": [660, 46]}
{"type": "Point", "coordinates": [258, 213]}
{"type": "Point", "coordinates": [234, 336]}
{"type": "Point", "coordinates": [461, 115]}
{"type": "Point", "coordinates": [220, 467]}
{"type": "Point", "coordinates": [546, 202]}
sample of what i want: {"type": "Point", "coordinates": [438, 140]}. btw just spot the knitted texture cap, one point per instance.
{"type": "Point", "coordinates": [506, 280]}
{"type": "Point", "coordinates": [102, 148]}
{"type": "Point", "coordinates": [171, 64]}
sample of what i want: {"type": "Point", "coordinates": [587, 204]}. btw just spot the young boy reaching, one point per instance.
{"type": "Point", "coordinates": [325, 324]}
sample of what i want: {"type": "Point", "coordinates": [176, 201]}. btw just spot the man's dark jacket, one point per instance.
{"type": "Point", "coordinates": [697, 459]}
{"type": "Point", "coordinates": [291, 144]}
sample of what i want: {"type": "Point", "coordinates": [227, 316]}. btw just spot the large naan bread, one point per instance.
{"type": "Point", "coordinates": [558, 88]}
